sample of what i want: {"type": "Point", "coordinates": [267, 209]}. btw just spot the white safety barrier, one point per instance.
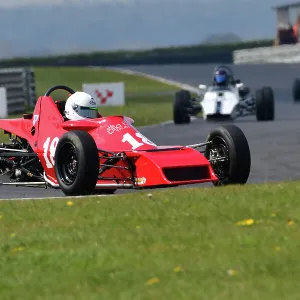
{"type": "Point", "coordinates": [3, 103]}
{"type": "Point", "coordinates": [106, 94]}
{"type": "Point", "coordinates": [264, 55]}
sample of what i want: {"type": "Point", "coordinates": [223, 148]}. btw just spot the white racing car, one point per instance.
{"type": "Point", "coordinates": [224, 102]}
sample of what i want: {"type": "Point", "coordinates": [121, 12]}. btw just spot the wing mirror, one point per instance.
{"type": "Point", "coordinates": [202, 86]}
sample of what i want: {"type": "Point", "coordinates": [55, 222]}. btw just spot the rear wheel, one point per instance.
{"type": "Point", "coordinates": [76, 163]}
{"type": "Point", "coordinates": [296, 89]}
{"type": "Point", "coordinates": [265, 109]}
{"type": "Point", "coordinates": [181, 104]}
{"type": "Point", "coordinates": [229, 155]}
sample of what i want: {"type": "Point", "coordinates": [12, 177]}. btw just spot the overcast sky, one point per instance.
{"type": "Point", "coordinates": [31, 27]}
{"type": "Point", "coordinates": [14, 3]}
{"type": "Point", "coordinates": [10, 3]}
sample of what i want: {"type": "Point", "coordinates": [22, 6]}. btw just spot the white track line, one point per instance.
{"type": "Point", "coordinates": [180, 85]}
{"type": "Point", "coordinates": [157, 78]}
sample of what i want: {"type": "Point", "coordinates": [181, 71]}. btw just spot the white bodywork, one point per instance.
{"type": "Point", "coordinates": [220, 101]}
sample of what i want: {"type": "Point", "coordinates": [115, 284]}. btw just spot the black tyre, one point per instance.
{"type": "Point", "coordinates": [265, 107]}
{"type": "Point", "coordinates": [76, 163]}
{"type": "Point", "coordinates": [229, 155]}
{"type": "Point", "coordinates": [181, 104]}
{"type": "Point", "coordinates": [296, 89]}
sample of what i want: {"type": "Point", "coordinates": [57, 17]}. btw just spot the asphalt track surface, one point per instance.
{"type": "Point", "coordinates": [275, 146]}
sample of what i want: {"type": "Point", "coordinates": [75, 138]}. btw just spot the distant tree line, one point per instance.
{"type": "Point", "coordinates": [211, 53]}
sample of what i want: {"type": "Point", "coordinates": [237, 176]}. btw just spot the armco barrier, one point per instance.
{"type": "Point", "coordinates": [20, 88]}
{"type": "Point", "coordinates": [264, 55]}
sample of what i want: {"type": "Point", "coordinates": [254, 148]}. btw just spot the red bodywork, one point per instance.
{"type": "Point", "coordinates": [154, 165]}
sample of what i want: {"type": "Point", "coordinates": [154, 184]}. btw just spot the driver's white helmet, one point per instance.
{"type": "Point", "coordinates": [81, 105]}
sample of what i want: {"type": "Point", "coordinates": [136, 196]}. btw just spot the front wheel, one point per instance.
{"type": "Point", "coordinates": [76, 163]}
{"type": "Point", "coordinates": [229, 155]}
{"type": "Point", "coordinates": [181, 104]}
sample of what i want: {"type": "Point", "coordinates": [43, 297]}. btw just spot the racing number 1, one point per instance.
{"type": "Point", "coordinates": [127, 137]}
{"type": "Point", "coordinates": [50, 162]}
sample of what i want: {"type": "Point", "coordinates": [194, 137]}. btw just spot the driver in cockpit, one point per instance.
{"type": "Point", "coordinates": [79, 106]}
{"type": "Point", "coordinates": [223, 78]}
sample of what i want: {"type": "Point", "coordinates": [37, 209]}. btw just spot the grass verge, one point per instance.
{"type": "Point", "coordinates": [178, 244]}
{"type": "Point", "coordinates": [145, 110]}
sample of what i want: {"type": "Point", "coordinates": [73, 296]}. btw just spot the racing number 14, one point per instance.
{"type": "Point", "coordinates": [127, 137]}
{"type": "Point", "coordinates": [50, 162]}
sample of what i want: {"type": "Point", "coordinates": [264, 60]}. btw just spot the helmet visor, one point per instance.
{"type": "Point", "coordinates": [86, 112]}
{"type": "Point", "coordinates": [220, 78]}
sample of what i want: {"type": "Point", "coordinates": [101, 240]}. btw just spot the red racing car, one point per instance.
{"type": "Point", "coordinates": [107, 153]}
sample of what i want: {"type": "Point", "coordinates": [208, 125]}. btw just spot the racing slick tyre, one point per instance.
{"type": "Point", "coordinates": [76, 163]}
{"type": "Point", "coordinates": [229, 155]}
{"type": "Point", "coordinates": [265, 109]}
{"type": "Point", "coordinates": [296, 90]}
{"type": "Point", "coordinates": [181, 103]}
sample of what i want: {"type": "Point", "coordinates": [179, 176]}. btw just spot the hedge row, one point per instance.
{"type": "Point", "coordinates": [188, 54]}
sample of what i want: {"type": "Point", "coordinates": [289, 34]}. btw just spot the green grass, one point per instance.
{"type": "Point", "coordinates": [110, 247]}
{"type": "Point", "coordinates": [145, 110]}
{"type": "Point", "coordinates": [74, 77]}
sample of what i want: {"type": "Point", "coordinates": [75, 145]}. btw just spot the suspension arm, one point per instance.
{"type": "Point", "coordinates": [198, 145]}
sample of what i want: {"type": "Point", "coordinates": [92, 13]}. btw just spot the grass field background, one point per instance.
{"type": "Point", "coordinates": [145, 110]}
{"type": "Point", "coordinates": [213, 243]}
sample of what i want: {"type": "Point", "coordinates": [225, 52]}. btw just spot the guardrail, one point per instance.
{"type": "Point", "coordinates": [20, 88]}
{"type": "Point", "coordinates": [264, 55]}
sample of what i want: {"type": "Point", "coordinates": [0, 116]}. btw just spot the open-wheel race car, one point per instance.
{"type": "Point", "coordinates": [224, 101]}
{"type": "Point", "coordinates": [103, 154]}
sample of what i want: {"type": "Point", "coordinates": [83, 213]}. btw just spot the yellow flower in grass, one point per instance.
{"type": "Point", "coordinates": [247, 222]}
{"type": "Point", "coordinates": [153, 281]}
{"type": "Point", "coordinates": [231, 272]}
{"type": "Point", "coordinates": [277, 248]}
{"type": "Point", "coordinates": [290, 222]}
{"type": "Point", "coordinates": [273, 215]}
{"type": "Point", "coordinates": [177, 269]}
{"type": "Point", "coordinates": [18, 249]}
{"type": "Point", "coordinates": [70, 203]}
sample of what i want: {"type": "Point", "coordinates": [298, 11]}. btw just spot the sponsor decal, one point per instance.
{"type": "Point", "coordinates": [93, 102]}
{"type": "Point", "coordinates": [117, 128]}
{"type": "Point", "coordinates": [140, 180]}
{"type": "Point", "coordinates": [104, 96]}
{"type": "Point", "coordinates": [35, 119]}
